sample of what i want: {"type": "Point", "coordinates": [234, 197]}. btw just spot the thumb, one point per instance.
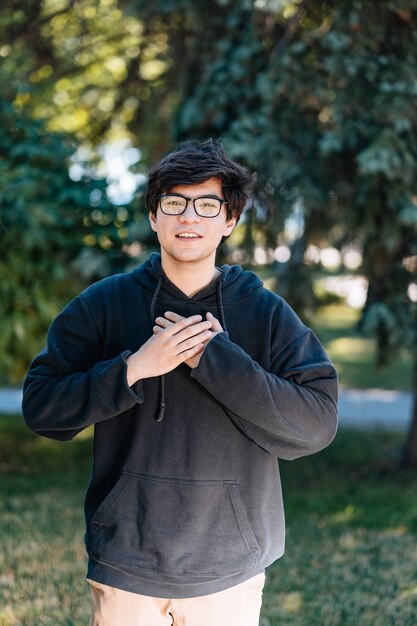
{"type": "Point", "coordinates": [216, 326]}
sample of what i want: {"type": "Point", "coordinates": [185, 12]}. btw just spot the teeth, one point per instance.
{"type": "Point", "coordinates": [188, 235]}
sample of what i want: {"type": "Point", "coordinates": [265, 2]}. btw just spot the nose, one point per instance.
{"type": "Point", "coordinates": [189, 214]}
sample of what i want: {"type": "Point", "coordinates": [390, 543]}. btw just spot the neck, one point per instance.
{"type": "Point", "coordinates": [189, 277]}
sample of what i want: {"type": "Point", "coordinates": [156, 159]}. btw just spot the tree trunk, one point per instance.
{"type": "Point", "coordinates": [410, 450]}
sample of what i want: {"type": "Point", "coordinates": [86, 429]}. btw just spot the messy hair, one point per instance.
{"type": "Point", "coordinates": [194, 162]}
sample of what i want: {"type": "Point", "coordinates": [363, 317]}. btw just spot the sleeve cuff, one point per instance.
{"type": "Point", "coordinates": [136, 390]}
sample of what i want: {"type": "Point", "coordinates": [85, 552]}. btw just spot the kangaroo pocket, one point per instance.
{"type": "Point", "coordinates": [173, 526]}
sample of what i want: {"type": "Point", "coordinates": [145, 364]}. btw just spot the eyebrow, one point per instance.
{"type": "Point", "coordinates": [204, 195]}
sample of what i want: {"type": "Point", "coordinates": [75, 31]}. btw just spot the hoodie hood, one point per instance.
{"type": "Point", "coordinates": [235, 283]}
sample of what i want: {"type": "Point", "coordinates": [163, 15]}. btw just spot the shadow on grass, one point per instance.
{"type": "Point", "coordinates": [22, 453]}
{"type": "Point", "coordinates": [357, 482]}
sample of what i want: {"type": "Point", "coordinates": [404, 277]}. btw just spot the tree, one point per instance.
{"type": "Point", "coordinates": [355, 105]}
{"type": "Point", "coordinates": [318, 97]}
{"type": "Point", "coordinates": [56, 235]}
{"type": "Point", "coordinates": [87, 69]}
{"type": "Point", "coordinates": [330, 124]}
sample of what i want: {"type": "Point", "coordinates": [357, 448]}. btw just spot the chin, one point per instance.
{"type": "Point", "coordinates": [191, 256]}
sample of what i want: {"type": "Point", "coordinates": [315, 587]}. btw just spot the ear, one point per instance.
{"type": "Point", "coordinates": [228, 229]}
{"type": "Point", "coordinates": [152, 219]}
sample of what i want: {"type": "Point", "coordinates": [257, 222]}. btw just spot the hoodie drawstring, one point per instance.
{"type": "Point", "coordinates": [160, 416]}
{"type": "Point", "coordinates": [155, 295]}
{"type": "Point", "coordinates": [222, 320]}
{"type": "Point", "coordinates": [220, 304]}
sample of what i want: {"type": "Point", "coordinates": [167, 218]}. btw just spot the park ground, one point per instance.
{"type": "Point", "coordinates": [351, 555]}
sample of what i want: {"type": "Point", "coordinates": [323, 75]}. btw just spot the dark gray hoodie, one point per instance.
{"type": "Point", "coordinates": [184, 497]}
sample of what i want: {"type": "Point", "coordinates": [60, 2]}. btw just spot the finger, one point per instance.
{"type": "Point", "coordinates": [186, 323]}
{"type": "Point", "coordinates": [188, 354]}
{"type": "Point", "coordinates": [191, 331]}
{"type": "Point", "coordinates": [174, 317]}
{"type": "Point", "coordinates": [185, 334]}
{"type": "Point", "coordinates": [187, 344]}
{"type": "Point", "coordinates": [164, 323]}
{"type": "Point", "coordinates": [216, 326]}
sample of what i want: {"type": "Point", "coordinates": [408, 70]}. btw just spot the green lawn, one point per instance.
{"type": "Point", "coordinates": [351, 554]}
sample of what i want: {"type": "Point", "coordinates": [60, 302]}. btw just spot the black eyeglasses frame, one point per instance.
{"type": "Point", "coordinates": [179, 195]}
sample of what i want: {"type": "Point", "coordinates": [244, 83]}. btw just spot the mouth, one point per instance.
{"type": "Point", "coordinates": [187, 235]}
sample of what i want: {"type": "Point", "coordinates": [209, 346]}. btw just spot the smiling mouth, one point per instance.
{"type": "Point", "coordinates": [188, 236]}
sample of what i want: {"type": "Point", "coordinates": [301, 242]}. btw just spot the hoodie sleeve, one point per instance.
{"type": "Point", "coordinates": [290, 411]}
{"type": "Point", "coordinates": [69, 386]}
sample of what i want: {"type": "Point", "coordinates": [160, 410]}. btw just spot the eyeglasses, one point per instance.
{"type": "Point", "coordinates": [204, 206]}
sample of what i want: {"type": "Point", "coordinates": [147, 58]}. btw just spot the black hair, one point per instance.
{"type": "Point", "coordinates": [195, 161]}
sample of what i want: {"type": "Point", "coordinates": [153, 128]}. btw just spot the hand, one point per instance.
{"type": "Point", "coordinates": [171, 318]}
{"type": "Point", "coordinates": [172, 344]}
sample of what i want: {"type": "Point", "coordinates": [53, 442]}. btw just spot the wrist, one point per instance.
{"type": "Point", "coordinates": [133, 373]}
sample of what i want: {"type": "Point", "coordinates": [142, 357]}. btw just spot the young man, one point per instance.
{"type": "Point", "coordinates": [196, 379]}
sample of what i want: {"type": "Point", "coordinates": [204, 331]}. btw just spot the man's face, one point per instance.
{"type": "Point", "coordinates": [189, 238]}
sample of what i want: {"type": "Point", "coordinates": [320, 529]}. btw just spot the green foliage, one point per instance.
{"type": "Point", "coordinates": [53, 237]}
{"type": "Point", "coordinates": [86, 68]}
{"type": "Point", "coordinates": [358, 79]}
{"type": "Point", "coordinates": [318, 98]}
{"type": "Point", "coordinates": [38, 234]}
{"type": "Point", "coordinates": [327, 117]}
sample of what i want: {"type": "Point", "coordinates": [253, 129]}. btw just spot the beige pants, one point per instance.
{"type": "Point", "coordinates": [237, 606]}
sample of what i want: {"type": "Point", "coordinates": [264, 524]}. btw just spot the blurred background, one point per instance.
{"type": "Point", "coordinates": [319, 98]}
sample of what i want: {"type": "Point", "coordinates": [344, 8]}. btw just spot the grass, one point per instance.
{"type": "Point", "coordinates": [351, 534]}
{"type": "Point", "coordinates": [42, 557]}
{"type": "Point", "coordinates": [351, 538]}
{"type": "Point", "coordinates": [354, 355]}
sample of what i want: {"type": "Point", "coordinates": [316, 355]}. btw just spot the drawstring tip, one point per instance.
{"type": "Point", "coordinates": [161, 412]}
{"type": "Point", "coordinates": [161, 401]}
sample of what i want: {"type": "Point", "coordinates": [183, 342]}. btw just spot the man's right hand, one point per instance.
{"type": "Point", "coordinates": [164, 351]}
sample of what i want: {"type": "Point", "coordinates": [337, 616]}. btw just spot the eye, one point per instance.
{"type": "Point", "coordinates": [173, 202]}
{"type": "Point", "coordinates": [208, 203]}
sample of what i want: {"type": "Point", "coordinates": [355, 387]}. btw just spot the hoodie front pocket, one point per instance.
{"type": "Point", "coordinates": [173, 526]}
